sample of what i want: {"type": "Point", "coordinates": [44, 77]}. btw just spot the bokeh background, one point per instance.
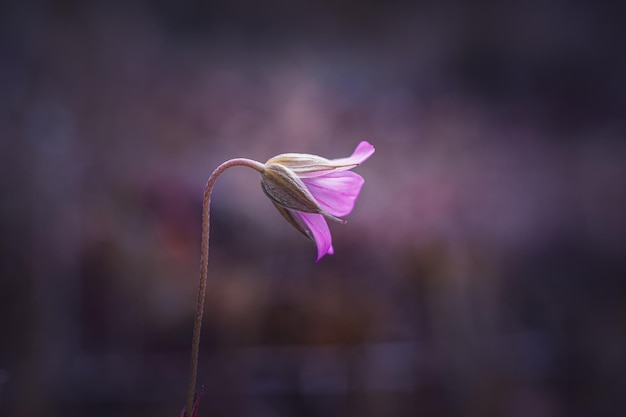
{"type": "Point", "coordinates": [482, 272]}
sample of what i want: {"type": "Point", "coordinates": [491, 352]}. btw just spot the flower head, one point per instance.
{"type": "Point", "coordinates": [308, 189]}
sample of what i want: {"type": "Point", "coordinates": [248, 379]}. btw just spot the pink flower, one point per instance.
{"type": "Point", "coordinates": [308, 189]}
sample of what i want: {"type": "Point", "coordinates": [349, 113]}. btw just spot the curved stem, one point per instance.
{"type": "Point", "coordinates": [204, 262]}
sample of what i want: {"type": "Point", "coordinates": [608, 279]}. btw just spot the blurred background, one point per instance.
{"type": "Point", "coordinates": [482, 272]}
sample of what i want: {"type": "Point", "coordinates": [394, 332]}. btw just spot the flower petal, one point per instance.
{"type": "Point", "coordinates": [294, 220]}
{"type": "Point", "coordinates": [363, 151]}
{"type": "Point", "coordinates": [311, 166]}
{"type": "Point", "coordinates": [335, 192]}
{"type": "Point", "coordinates": [317, 226]}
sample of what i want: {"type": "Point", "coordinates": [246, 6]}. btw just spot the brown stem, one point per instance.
{"type": "Point", "coordinates": [204, 262]}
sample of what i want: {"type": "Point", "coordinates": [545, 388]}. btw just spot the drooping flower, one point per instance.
{"type": "Point", "coordinates": [308, 189]}
{"type": "Point", "coordinates": [305, 189]}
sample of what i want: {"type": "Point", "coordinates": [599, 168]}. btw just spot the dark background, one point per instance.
{"type": "Point", "coordinates": [482, 272]}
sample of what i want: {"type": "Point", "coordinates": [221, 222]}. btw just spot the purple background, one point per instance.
{"type": "Point", "coordinates": [482, 272]}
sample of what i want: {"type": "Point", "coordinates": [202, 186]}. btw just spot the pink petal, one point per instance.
{"type": "Point", "coordinates": [363, 151]}
{"type": "Point", "coordinates": [316, 224]}
{"type": "Point", "coordinates": [335, 192]}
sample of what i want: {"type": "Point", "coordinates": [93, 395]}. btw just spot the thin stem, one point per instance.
{"type": "Point", "coordinates": [204, 262]}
